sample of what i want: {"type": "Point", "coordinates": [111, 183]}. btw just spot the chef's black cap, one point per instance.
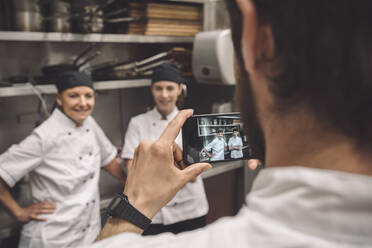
{"type": "Point", "coordinates": [166, 72]}
{"type": "Point", "coordinates": [71, 79]}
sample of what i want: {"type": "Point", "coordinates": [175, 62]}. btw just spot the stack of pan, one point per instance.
{"type": "Point", "coordinates": [143, 68]}
{"type": "Point", "coordinates": [50, 72]}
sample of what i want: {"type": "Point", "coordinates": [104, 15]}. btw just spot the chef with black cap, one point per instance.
{"type": "Point", "coordinates": [63, 157]}
{"type": "Point", "coordinates": [188, 209]}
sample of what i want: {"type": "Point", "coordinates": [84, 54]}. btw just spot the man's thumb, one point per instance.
{"type": "Point", "coordinates": [194, 170]}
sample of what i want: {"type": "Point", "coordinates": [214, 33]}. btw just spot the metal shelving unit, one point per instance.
{"type": "Point", "coordinates": [105, 38]}
{"type": "Point", "coordinates": [113, 38]}
{"type": "Point", "coordinates": [27, 89]}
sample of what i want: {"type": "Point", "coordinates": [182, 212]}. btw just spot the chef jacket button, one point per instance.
{"type": "Point", "coordinates": [91, 176]}
{"type": "Point", "coordinates": [88, 226]}
{"type": "Point", "coordinates": [87, 203]}
{"type": "Point", "coordinates": [90, 153]}
{"type": "Point", "coordinates": [84, 181]}
{"type": "Point", "coordinates": [154, 124]}
{"type": "Point", "coordinates": [80, 158]}
{"type": "Point", "coordinates": [94, 201]}
{"type": "Point", "coordinates": [87, 130]}
{"type": "Point", "coordinates": [83, 230]}
{"type": "Point", "coordinates": [69, 133]}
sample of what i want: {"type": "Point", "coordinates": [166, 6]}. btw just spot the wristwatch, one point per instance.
{"type": "Point", "coordinates": [120, 207]}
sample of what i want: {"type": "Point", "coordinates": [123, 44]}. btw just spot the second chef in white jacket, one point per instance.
{"type": "Point", "coordinates": [188, 209]}
{"type": "Point", "coordinates": [63, 156]}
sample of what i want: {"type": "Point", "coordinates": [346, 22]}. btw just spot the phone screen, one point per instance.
{"type": "Point", "coordinates": [214, 138]}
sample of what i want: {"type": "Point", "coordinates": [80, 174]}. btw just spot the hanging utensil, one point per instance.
{"type": "Point", "coordinates": [89, 59]}
{"type": "Point", "coordinates": [152, 65]}
{"type": "Point", "coordinates": [85, 51]}
{"type": "Point", "coordinates": [116, 12]}
{"type": "Point", "coordinates": [120, 20]}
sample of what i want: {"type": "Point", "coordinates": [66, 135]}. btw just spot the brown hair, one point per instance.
{"type": "Point", "coordinates": [324, 49]}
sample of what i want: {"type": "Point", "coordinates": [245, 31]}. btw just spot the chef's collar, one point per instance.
{"type": "Point", "coordinates": [169, 117]}
{"type": "Point", "coordinates": [72, 79]}
{"type": "Point", "coordinates": [65, 121]}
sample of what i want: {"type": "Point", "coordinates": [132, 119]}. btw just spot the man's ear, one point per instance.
{"type": "Point", "coordinates": [59, 99]}
{"type": "Point", "coordinates": [249, 33]}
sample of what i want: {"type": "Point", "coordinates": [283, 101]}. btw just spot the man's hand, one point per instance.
{"type": "Point", "coordinates": [253, 163]}
{"type": "Point", "coordinates": [33, 211]}
{"type": "Point", "coordinates": [153, 179]}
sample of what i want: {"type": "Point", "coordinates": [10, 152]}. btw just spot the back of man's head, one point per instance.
{"type": "Point", "coordinates": [323, 59]}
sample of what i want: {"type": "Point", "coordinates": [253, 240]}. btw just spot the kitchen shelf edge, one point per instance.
{"type": "Point", "coordinates": [51, 89]}
{"type": "Point", "coordinates": [104, 38]}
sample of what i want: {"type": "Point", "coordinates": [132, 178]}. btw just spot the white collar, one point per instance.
{"type": "Point", "coordinates": [65, 121]}
{"type": "Point", "coordinates": [170, 116]}
{"type": "Point", "coordinates": [331, 204]}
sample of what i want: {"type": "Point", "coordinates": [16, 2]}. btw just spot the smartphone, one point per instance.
{"type": "Point", "coordinates": [214, 138]}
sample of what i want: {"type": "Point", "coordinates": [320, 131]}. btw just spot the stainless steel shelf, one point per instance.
{"type": "Point", "coordinates": [193, 1]}
{"type": "Point", "coordinates": [226, 125]}
{"type": "Point", "coordinates": [23, 90]}
{"type": "Point", "coordinates": [108, 38]}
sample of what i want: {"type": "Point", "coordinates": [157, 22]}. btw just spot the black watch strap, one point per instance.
{"type": "Point", "coordinates": [121, 208]}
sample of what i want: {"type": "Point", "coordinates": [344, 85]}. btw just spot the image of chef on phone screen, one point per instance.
{"type": "Point", "coordinates": [215, 150]}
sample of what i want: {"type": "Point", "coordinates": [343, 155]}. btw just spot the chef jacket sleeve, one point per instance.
{"type": "Point", "coordinates": [209, 146]}
{"type": "Point", "coordinates": [131, 141]}
{"type": "Point", "coordinates": [107, 149]}
{"type": "Point", "coordinates": [21, 159]}
{"type": "Point", "coordinates": [240, 143]}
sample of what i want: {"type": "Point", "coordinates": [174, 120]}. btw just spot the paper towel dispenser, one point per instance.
{"type": "Point", "coordinates": [212, 57]}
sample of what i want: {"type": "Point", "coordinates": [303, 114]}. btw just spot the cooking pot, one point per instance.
{"type": "Point", "coordinates": [58, 16]}
{"type": "Point", "coordinates": [6, 15]}
{"type": "Point", "coordinates": [91, 16]}
{"type": "Point", "coordinates": [28, 21]}
{"type": "Point", "coordinates": [27, 16]}
{"type": "Point", "coordinates": [59, 24]}
{"type": "Point", "coordinates": [26, 5]}
{"type": "Point", "coordinates": [53, 70]}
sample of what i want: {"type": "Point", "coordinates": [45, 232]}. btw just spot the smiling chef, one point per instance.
{"type": "Point", "coordinates": [63, 157]}
{"type": "Point", "coordinates": [188, 209]}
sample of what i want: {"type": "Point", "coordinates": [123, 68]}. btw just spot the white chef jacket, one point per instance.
{"type": "Point", "coordinates": [190, 202]}
{"type": "Point", "coordinates": [236, 141]}
{"type": "Point", "coordinates": [287, 207]}
{"type": "Point", "coordinates": [218, 148]}
{"type": "Point", "coordinates": [64, 163]}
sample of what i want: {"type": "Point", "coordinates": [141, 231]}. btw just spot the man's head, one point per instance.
{"type": "Point", "coordinates": [308, 55]}
{"type": "Point", "coordinates": [166, 87]}
{"type": "Point", "coordinates": [235, 132]}
{"type": "Point", "coordinates": [219, 133]}
{"type": "Point", "coordinates": [75, 95]}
